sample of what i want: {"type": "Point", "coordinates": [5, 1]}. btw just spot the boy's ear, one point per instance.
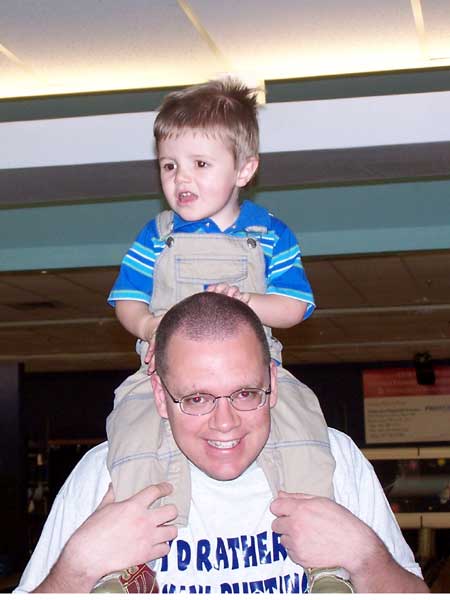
{"type": "Point", "coordinates": [247, 170]}
{"type": "Point", "coordinates": [159, 395]}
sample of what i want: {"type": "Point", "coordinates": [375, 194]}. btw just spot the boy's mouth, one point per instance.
{"type": "Point", "coordinates": [186, 197]}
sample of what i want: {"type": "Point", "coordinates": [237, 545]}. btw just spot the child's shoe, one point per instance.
{"type": "Point", "coordinates": [134, 580]}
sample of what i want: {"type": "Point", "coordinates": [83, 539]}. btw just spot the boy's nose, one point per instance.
{"type": "Point", "coordinates": [182, 174]}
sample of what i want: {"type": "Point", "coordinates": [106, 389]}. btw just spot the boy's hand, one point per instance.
{"type": "Point", "coordinates": [150, 328]}
{"type": "Point", "coordinates": [150, 356]}
{"type": "Point", "coordinates": [229, 290]}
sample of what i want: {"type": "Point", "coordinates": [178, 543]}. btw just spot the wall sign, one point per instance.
{"type": "Point", "coordinates": [397, 409]}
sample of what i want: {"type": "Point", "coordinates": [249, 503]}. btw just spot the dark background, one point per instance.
{"type": "Point", "coordinates": [49, 420]}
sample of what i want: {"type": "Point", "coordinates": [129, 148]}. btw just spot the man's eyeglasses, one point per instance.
{"type": "Point", "coordinates": [201, 403]}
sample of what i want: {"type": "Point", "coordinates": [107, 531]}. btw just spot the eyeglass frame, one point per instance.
{"type": "Point", "coordinates": [228, 397]}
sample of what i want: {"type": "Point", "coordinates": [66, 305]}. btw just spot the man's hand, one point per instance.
{"type": "Point", "coordinates": [317, 532]}
{"type": "Point", "coordinates": [229, 290]}
{"type": "Point", "coordinates": [117, 535]}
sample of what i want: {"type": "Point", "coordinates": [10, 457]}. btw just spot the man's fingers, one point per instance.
{"type": "Point", "coordinates": [280, 525]}
{"type": "Point", "coordinates": [165, 533]}
{"type": "Point", "coordinates": [161, 550]}
{"type": "Point", "coordinates": [153, 492]}
{"type": "Point", "coordinates": [165, 514]}
{"type": "Point", "coordinates": [283, 507]}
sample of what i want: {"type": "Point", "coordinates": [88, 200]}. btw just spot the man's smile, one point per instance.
{"type": "Point", "coordinates": [225, 445]}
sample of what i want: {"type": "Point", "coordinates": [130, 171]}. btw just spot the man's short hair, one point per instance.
{"type": "Point", "coordinates": [226, 108]}
{"type": "Point", "coordinates": [206, 316]}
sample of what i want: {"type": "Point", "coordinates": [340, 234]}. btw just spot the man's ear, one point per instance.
{"type": "Point", "coordinates": [160, 396]}
{"type": "Point", "coordinates": [273, 383]}
{"type": "Point", "coordinates": [247, 170]}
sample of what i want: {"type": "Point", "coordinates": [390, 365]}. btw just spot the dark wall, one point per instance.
{"type": "Point", "coordinates": [339, 390]}
{"type": "Point", "coordinates": [12, 469]}
{"type": "Point", "coordinates": [75, 405]}
{"type": "Point", "coordinates": [69, 405]}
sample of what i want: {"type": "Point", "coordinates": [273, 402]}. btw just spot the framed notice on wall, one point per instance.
{"type": "Point", "coordinates": [397, 409]}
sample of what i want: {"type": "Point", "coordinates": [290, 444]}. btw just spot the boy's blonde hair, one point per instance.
{"type": "Point", "coordinates": [225, 107]}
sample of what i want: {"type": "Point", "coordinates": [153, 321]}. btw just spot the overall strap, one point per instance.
{"type": "Point", "coordinates": [164, 223]}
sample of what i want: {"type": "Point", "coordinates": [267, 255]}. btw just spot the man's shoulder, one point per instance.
{"type": "Point", "coordinates": [353, 472]}
{"type": "Point", "coordinates": [89, 475]}
{"type": "Point", "coordinates": [343, 448]}
{"type": "Point", "coordinates": [95, 458]}
{"type": "Point", "coordinates": [339, 439]}
{"type": "Point", "coordinates": [95, 455]}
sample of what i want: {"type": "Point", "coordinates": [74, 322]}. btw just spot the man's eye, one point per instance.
{"type": "Point", "coordinates": [202, 164]}
{"type": "Point", "coordinates": [197, 400]}
{"type": "Point", "coordinates": [247, 394]}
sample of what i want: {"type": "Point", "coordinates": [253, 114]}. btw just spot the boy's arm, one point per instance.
{"type": "Point", "coordinates": [136, 318]}
{"type": "Point", "coordinates": [273, 310]}
{"type": "Point", "coordinates": [277, 311]}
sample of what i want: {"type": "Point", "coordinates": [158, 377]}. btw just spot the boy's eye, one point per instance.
{"type": "Point", "coordinates": [168, 167]}
{"type": "Point", "coordinates": [201, 164]}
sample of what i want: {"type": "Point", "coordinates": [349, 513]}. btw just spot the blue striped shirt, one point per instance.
{"type": "Point", "coordinates": [283, 266]}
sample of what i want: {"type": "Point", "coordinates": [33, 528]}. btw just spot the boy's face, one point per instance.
{"type": "Point", "coordinates": [200, 179]}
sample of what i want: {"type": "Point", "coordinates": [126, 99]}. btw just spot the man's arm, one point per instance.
{"type": "Point", "coordinates": [318, 532]}
{"type": "Point", "coordinates": [116, 536]}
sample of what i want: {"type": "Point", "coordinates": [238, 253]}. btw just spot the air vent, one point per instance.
{"type": "Point", "coordinates": [30, 306]}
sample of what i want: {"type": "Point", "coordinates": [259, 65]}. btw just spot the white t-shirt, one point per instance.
{"type": "Point", "coordinates": [228, 545]}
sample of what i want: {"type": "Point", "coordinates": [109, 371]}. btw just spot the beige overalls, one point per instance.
{"type": "Point", "coordinates": [142, 451]}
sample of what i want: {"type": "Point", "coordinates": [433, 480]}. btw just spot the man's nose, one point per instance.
{"type": "Point", "coordinates": [224, 417]}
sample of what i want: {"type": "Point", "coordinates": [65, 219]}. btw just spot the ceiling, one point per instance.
{"type": "Point", "coordinates": [60, 46]}
{"type": "Point", "coordinates": [370, 309]}
{"type": "Point", "coordinates": [377, 255]}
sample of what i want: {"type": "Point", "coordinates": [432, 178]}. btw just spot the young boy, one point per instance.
{"type": "Point", "coordinates": [207, 142]}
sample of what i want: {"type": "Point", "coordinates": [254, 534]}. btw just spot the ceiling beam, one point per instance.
{"type": "Point", "coordinates": [321, 142]}
{"type": "Point", "coordinates": [140, 179]}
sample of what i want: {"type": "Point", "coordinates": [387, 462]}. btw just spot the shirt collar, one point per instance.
{"type": "Point", "coordinates": [249, 214]}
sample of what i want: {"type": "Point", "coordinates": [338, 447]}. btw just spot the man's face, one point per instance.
{"type": "Point", "coordinates": [224, 442]}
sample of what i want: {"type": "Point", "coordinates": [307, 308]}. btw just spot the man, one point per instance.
{"type": "Point", "coordinates": [215, 385]}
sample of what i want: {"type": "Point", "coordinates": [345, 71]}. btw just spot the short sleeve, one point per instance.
{"type": "Point", "coordinates": [357, 488]}
{"type": "Point", "coordinates": [286, 275]}
{"type": "Point", "coordinates": [135, 279]}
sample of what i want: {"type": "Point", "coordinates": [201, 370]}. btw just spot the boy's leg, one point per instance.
{"type": "Point", "coordinates": [141, 448]}
{"type": "Point", "coordinates": [141, 452]}
{"type": "Point", "coordinates": [300, 433]}
{"type": "Point", "coordinates": [298, 459]}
